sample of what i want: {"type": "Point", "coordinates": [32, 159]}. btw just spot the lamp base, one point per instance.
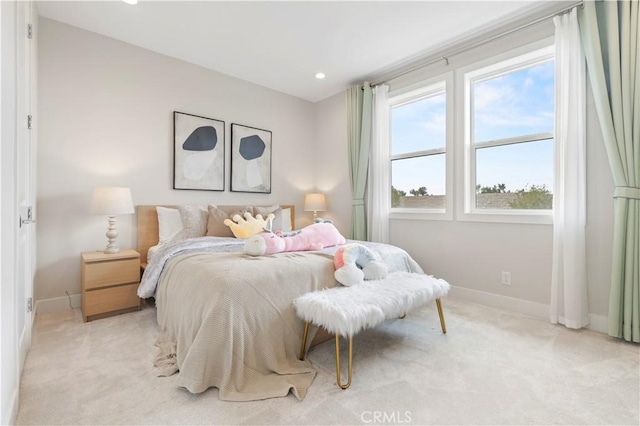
{"type": "Point", "coordinates": [112, 235]}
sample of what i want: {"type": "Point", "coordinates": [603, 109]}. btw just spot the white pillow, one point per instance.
{"type": "Point", "coordinates": [282, 222]}
{"type": "Point", "coordinates": [194, 219]}
{"type": "Point", "coordinates": [286, 220]}
{"type": "Point", "coordinates": [170, 227]}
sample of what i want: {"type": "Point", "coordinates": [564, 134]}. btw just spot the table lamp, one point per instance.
{"type": "Point", "coordinates": [111, 201]}
{"type": "Point", "coordinates": [315, 203]}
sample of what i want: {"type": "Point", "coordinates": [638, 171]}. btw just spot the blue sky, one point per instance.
{"type": "Point", "coordinates": [514, 104]}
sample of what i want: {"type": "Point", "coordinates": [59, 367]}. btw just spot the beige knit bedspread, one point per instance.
{"type": "Point", "coordinates": [226, 320]}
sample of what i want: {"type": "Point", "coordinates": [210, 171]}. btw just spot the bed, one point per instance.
{"type": "Point", "coordinates": [226, 319]}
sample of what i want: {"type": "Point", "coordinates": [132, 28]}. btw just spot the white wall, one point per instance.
{"type": "Point", "coordinates": [106, 118]}
{"type": "Point", "coordinates": [472, 255]}
{"type": "Point", "coordinates": [600, 188]}
{"type": "Point", "coordinates": [333, 160]}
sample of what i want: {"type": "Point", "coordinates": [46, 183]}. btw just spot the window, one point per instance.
{"type": "Point", "coordinates": [488, 127]}
{"type": "Point", "coordinates": [509, 140]}
{"type": "Point", "coordinates": [418, 149]}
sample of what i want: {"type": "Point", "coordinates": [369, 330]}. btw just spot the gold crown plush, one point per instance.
{"type": "Point", "coordinates": [249, 226]}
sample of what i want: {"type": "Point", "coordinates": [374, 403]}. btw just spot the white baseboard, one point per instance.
{"type": "Point", "coordinates": [58, 304]}
{"type": "Point", "coordinates": [538, 310]}
{"type": "Point", "coordinates": [597, 323]}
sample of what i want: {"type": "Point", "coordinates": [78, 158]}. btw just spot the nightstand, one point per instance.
{"type": "Point", "coordinates": [109, 283]}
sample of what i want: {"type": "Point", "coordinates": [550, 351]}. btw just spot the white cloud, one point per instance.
{"type": "Point", "coordinates": [486, 95]}
{"type": "Point", "coordinates": [510, 105]}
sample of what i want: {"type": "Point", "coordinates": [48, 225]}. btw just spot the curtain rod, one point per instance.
{"type": "Point", "coordinates": [454, 52]}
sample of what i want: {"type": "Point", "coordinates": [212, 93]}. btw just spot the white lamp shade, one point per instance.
{"type": "Point", "coordinates": [315, 203]}
{"type": "Point", "coordinates": [111, 200]}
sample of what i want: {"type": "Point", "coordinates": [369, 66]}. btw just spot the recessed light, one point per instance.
{"type": "Point", "coordinates": [130, 1]}
{"type": "Point", "coordinates": [320, 75]}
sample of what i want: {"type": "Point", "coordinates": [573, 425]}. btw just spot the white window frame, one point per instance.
{"type": "Point", "coordinates": [466, 195]}
{"type": "Point", "coordinates": [411, 93]}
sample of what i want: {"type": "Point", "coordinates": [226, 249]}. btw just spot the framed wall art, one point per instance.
{"type": "Point", "coordinates": [198, 152]}
{"type": "Point", "coordinates": [250, 159]}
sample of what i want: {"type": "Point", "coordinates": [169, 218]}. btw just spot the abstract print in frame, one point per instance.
{"type": "Point", "coordinates": [250, 159]}
{"type": "Point", "coordinates": [198, 152]}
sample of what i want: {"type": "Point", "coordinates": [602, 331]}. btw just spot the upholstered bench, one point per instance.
{"type": "Point", "coordinates": [345, 311]}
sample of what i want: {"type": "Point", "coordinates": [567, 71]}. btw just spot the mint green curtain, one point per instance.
{"type": "Point", "coordinates": [359, 117]}
{"type": "Point", "coordinates": [611, 39]}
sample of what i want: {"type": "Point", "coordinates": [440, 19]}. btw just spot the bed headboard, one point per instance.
{"type": "Point", "coordinates": [148, 227]}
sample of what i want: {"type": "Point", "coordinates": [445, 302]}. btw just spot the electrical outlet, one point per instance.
{"type": "Point", "coordinates": [506, 278]}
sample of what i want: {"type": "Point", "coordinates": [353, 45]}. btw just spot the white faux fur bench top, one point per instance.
{"type": "Point", "coordinates": [347, 310]}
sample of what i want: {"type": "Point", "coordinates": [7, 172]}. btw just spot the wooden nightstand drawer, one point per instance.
{"type": "Point", "coordinates": [109, 273]}
{"type": "Point", "coordinates": [109, 283]}
{"type": "Point", "coordinates": [111, 299]}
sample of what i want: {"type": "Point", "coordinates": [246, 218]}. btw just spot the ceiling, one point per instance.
{"type": "Point", "coordinates": [282, 45]}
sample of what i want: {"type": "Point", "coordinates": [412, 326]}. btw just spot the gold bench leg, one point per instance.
{"type": "Point", "coordinates": [346, 385]}
{"type": "Point", "coordinates": [441, 315]}
{"type": "Point", "coordinates": [303, 347]}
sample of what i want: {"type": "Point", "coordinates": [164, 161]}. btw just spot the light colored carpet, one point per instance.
{"type": "Point", "coordinates": [492, 367]}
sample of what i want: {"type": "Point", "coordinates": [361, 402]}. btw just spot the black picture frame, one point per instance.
{"type": "Point", "coordinates": [198, 152]}
{"type": "Point", "coordinates": [251, 153]}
